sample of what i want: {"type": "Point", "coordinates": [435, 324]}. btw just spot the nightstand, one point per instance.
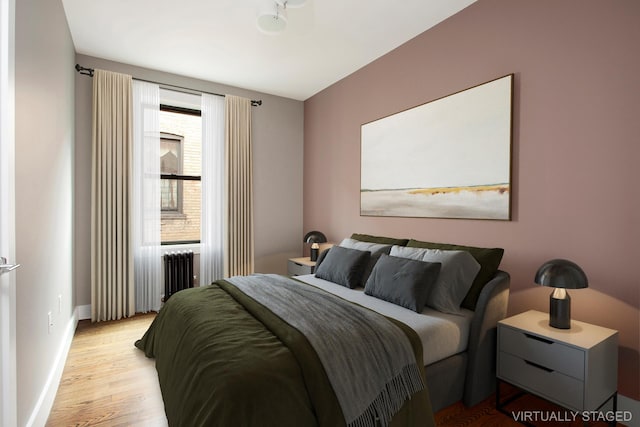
{"type": "Point", "coordinates": [575, 368]}
{"type": "Point", "coordinates": [300, 266]}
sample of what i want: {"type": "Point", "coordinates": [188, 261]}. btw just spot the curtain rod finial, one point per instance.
{"type": "Point", "coordinates": [84, 71]}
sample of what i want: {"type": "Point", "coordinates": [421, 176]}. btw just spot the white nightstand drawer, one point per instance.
{"type": "Point", "coordinates": [553, 355]}
{"type": "Point", "coordinates": [551, 385]}
{"type": "Point", "coordinates": [295, 268]}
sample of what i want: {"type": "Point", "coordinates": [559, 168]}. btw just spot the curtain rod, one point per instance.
{"type": "Point", "coordinates": [89, 72]}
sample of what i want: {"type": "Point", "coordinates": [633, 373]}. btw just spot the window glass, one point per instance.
{"type": "Point", "coordinates": [180, 157]}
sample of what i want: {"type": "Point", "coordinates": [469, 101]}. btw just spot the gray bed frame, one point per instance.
{"type": "Point", "coordinates": [470, 376]}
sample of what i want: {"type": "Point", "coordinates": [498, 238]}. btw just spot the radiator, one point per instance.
{"type": "Point", "coordinates": [178, 272]}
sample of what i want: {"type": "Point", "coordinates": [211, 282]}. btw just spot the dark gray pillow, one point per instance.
{"type": "Point", "coordinates": [402, 281]}
{"type": "Point", "coordinates": [457, 273]}
{"type": "Point", "coordinates": [375, 249]}
{"type": "Point", "coordinates": [344, 266]}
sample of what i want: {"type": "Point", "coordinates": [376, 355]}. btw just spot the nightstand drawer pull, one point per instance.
{"type": "Point", "coordinates": [537, 338]}
{"type": "Point", "coordinates": [298, 264]}
{"type": "Point", "coordinates": [535, 365]}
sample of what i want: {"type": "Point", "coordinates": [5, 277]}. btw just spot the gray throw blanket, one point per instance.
{"type": "Point", "coordinates": [368, 360]}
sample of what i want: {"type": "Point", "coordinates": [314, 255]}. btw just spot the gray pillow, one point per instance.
{"type": "Point", "coordinates": [402, 281]}
{"type": "Point", "coordinates": [365, 246]}
{"type": "Point", "coordinates": [343, 266]}
{"type": "Point", "coordinates": [459, 269]}
{"type": "Point", "coordinates": [376, 249]}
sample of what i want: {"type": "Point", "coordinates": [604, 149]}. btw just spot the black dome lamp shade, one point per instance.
{"type": "Point", "coordinates": [561, 274]}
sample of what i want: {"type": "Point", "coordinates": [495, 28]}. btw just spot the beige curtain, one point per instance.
{"type": "Point", "coordinates": [112, 290]}
{"type": "Point", "coordinates": [239, 194]}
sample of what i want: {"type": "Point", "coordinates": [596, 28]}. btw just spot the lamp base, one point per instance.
{"type": "Point", "coordinates": [560, 311]}
{"type": "Point", "coordinates": [315, 250]}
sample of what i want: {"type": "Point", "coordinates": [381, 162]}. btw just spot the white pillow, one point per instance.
{"type": "Point", "coordinates": [459, 269]}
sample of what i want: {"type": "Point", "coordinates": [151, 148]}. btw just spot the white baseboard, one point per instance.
{"type": "Point", "coordinates": [83, 312]}
{"type": "Point", "coordinates": [626, 404]}
{"type": "Point", "coordinates": [45, 401]}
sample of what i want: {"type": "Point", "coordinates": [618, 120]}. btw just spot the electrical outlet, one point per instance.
{"type": "Point", "coordinates": [59, 303]}
{"type": "Point", "coordinates": [50, 322]}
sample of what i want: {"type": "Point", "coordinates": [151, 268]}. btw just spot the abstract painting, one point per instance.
{"type": "Point", "coordinates": [448, 158]}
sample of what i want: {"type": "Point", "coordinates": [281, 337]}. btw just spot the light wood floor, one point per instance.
{"type": "Point", "coordinates": [106, 380]}
{"type": "Point", "coordinates": [109, 382]}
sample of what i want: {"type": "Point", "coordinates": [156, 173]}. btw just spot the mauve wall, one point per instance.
{"type": "Point", "coordinates": [575, 147]}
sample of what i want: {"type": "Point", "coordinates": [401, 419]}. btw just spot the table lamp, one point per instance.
{"type": "Point", "coordinates": [560, 274]}
{"type": "Point", "coordinates": [314, 237]}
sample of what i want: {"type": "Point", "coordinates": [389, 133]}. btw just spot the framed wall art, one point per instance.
{"type": "Point", "coordinates": [448, 158]}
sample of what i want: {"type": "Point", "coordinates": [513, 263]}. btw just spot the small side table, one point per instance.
{"type": "Point", "coordinates": [300, 266]}
{"type": "Point", "coordinates": [575, 368]}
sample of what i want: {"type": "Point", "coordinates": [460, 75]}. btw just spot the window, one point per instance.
{"type": "Point", "coordinates": [171, 164]}
{"type": "Point", "coordinates": [180, 169]}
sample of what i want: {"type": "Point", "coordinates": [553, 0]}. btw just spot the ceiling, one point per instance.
{"type": "Point", "coordinates": [218, 40]}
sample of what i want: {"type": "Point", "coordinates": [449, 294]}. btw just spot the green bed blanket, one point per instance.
{"type": "Point", "coordinates": [225, 360]}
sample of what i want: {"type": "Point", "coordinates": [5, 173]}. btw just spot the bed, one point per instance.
{"type": "Point", "coordinates": [233, 353]}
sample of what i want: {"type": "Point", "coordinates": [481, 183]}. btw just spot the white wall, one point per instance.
{"type": "Point", "coordinates": [44, 201]}
{"type": "Point", "coordinates": [8, 402]}
{"type": "Point", "coordinates": [278, 153]}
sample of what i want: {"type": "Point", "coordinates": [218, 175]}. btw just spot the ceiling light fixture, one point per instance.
{"type": "Point", "coordinates": [272, 14]}
{"type": "Point", "coordinates": [291, 3]}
